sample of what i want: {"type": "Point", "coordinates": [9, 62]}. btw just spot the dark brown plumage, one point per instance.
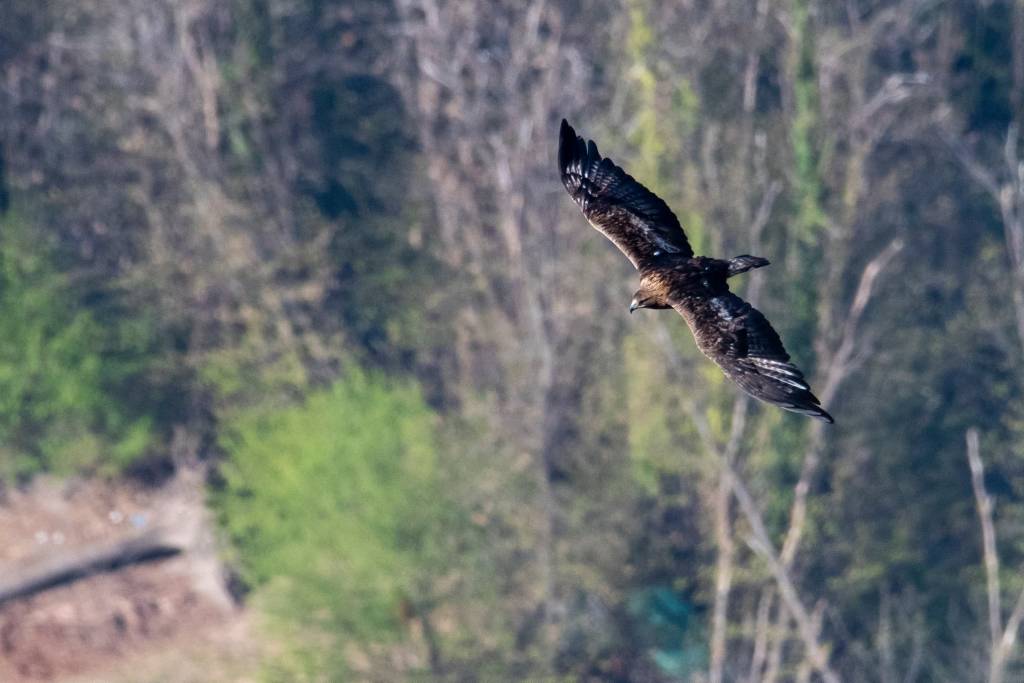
{"type": "Point", "coordinates": [728, 330]}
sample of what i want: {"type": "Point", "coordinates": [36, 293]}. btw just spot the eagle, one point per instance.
{"type": "Point", "coordinates": [727, 329]}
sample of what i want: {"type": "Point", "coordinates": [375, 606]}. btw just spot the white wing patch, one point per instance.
{"type": "Point", "coordinates": [780, 371]}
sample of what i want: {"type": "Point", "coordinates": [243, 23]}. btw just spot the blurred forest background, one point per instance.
{"type": "Point", "coordinates": [318, 251]}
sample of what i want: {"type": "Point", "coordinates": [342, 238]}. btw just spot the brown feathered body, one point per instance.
{"type": "Point", "coordinates": [727, 329]}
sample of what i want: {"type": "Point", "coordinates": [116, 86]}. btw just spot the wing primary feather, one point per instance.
{"type": "Point", "coordinates": [640, 224]}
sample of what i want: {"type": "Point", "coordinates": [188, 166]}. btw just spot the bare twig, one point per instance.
{"type": "Point", "coordinates": [1009, 637]}
{"type": "Point", "coordinates": [1003, 639]}
{"type": "Point", "coordinates": [840, 365]}
{"type": "Point", "coordinates": [897, 88]}
{"type": "Point", "coordinates": [761, 625]}
{"type": "Point", "coordinates": [723, 580]}
{"type": "Point", "coordinates": [726, 546]}
{"type": "Point", "coordinates": [988, 536]}
{"type": "Point", "coordinates": [974, 168]}
{"type": "Point", "coordinates": [761, 544]}
{"type": "Point", "coordinates": [838, 370]}
{"type": "Point", "coordinates": [1007, 190]}
{"type": "Point", "coordinates": [774, 664]}
{"type": "Point", "coordinates": [806, 668]}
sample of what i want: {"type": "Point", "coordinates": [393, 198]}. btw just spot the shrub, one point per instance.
{"type": "Point", "coordinates": [330, 504]}
{"type": "Point", "coordinates": [62, 373]}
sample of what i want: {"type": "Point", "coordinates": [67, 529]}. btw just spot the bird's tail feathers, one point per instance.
{"type": "Point", "coordinates": [741, 264]}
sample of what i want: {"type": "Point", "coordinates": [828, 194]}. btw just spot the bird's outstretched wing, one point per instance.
{"type": "Point", "coordinates": [742, 342]}
{"type": "Point", "coordinates": [639, 223]}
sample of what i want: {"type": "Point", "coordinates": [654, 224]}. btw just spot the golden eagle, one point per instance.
{"type": "Point", "coordinates": [728, 330]}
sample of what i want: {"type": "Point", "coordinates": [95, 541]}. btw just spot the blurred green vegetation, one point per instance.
{"type": "Point", "coordinates": [66, 369]}
{"type": "Point", "coordinates": [339, 563]}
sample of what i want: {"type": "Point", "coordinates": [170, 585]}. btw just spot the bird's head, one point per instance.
{"type": "Point", "coordinates": [645, 298]}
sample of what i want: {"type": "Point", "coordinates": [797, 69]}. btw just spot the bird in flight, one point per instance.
{"type": "Point", "coordinates": [728, 330]}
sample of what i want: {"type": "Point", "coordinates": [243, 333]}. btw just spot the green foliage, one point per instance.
{"type": "Point", "coordinates": [238, 377]}
{"type": "Point", "coordinates": [656, 426]}
{"type": "Point", "coordinates": [377, 242]}
{"type": "Point", "coordinates": [810, 217]}
{"type": "Point", "coordinates": [331, 504]}
{"type": "Point", "coordinates": [63, 374]}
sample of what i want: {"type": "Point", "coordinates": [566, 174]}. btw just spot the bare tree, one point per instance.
{"type": "Point", "coordinates": [1003, 638]}
{"type": "Point", "coordinates": [487, 84]}
{"type": "Point", "coordinates": [1004, 183]}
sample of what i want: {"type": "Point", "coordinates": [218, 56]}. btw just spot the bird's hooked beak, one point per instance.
{"type": "Point", "coordinates": [633, 305]}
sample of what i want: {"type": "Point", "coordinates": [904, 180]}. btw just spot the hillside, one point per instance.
{"type": "Point", "coordinates": [320, 251]}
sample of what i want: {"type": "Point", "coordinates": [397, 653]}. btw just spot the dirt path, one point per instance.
{"type": "Point", "coordinates": [166, 620]}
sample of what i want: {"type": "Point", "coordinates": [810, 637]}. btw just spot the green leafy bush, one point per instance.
{"type": "Point", "coordinates": [63, 406]}
{"type": "Point", "coordinates": [331, 504]}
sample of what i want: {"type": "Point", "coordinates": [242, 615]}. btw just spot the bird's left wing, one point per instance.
{"type": "Point", "coordinates": [743, 343]}
{"type": "Point", "coordinates": [638, 221]}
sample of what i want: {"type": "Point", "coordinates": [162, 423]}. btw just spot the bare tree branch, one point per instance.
{"type": "Point", "coordinates": [726, 546]}
{"type": "Point", "coordinates": [761, 544]}
{"type": "Point", "coordinates": [1007, 190]}
{"type": "Point", "coordinates": [838, 370]}
{"type": "Point", "coordinates": [988, 536]}
{"type": "Point", "coordinates": [762, 624]}
{"type": "Point", "coordinates": [1003, 640]}
{"type": "Point", "coordinates": [1009, 637]}
{"type": "Point", "coordinates": [839, 367]}
{"type": "Point", "coordinates": [979, 173]}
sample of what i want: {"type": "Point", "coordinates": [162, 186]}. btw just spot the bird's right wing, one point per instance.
{"type": "Point", "coordinates": [743, 343]}
{"type": "Point", "coordinates": [639, 223]}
